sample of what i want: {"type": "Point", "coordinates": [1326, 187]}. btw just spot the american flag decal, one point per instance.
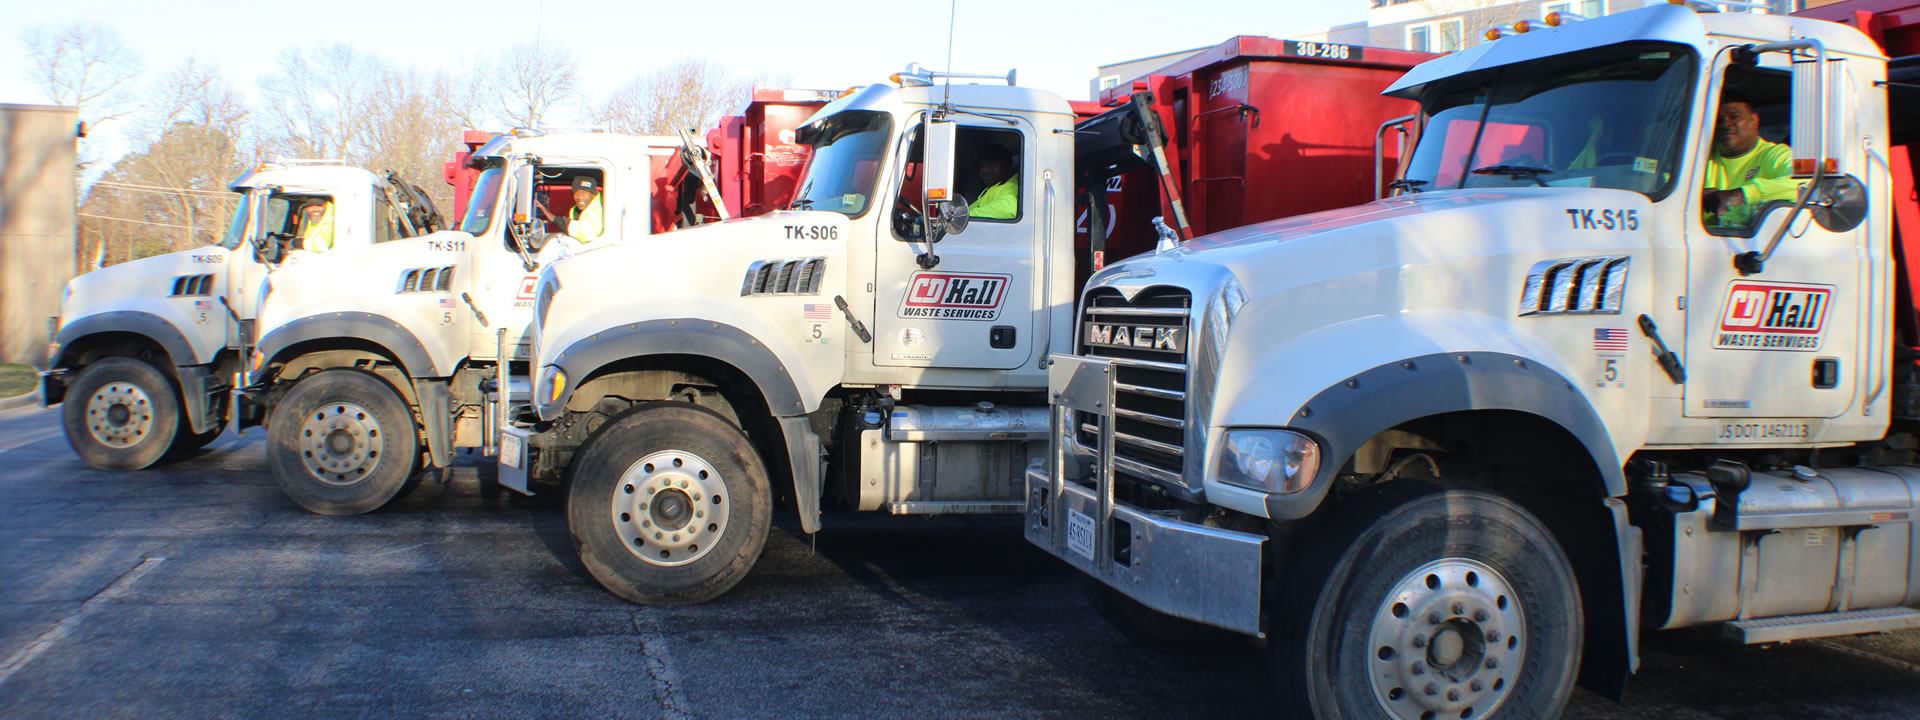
{"type": "Point", "coordinates": [446, 302]}
{"type": "Point", "coordinates": [816, 311]}
{"type": "Point", "coordinates": [202, 305]}
{"type": "Point", "coordinates": [1609, 340]}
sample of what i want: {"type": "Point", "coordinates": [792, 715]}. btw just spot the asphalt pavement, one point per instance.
{"type": "Point", "coordinates": [198, 590]}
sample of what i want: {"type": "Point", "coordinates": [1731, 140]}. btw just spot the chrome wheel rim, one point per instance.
{"type": "Point", "coordinates": [1447, 642]}
{"type": "Point", "coordinates": [670, 508]}
{"type": "Point", "coordinates": [119, 415]}
{"type": "Point", "coordinates": [340, 443]}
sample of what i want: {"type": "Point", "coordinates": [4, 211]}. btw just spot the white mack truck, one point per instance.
{"type": "Point", "coordinates": [374, 364]}
{"type": "Point", "coordinates": [1451, 450]}
{"type": "Point", "coordinates": [854, 350]}
{"type": "Point", "coordinates": [146, 352]}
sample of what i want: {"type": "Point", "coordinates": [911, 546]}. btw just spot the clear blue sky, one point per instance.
{"type": "Point", "coordinates": [1055, 45]}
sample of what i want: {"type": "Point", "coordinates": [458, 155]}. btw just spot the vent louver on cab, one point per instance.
{"type": "Point", "coordinates": [1575, 286]}
{"type": "Point", "coordinates": [193, 285]}
{"type": "Point", "coordinates": [784, 277]}
{"type": "Point", "coordinates": [433, 279]}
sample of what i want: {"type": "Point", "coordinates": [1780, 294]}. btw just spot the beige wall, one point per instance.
{"type": "Point", "coordinates": [38, 199]}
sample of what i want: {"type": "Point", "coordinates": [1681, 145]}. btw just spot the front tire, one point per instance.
{"type": "Point", "coordinates": [669, 505]}
{"type": "Point", "coordinates": [342, 442]}
{"type": "Point", "coordinates": [121, 414]}
{"type": "Point", "coordinates": [1429, 601]}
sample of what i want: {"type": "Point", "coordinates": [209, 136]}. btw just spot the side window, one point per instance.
{"type": "Point", "coordinates": [384, 221]}
{"type": "Point", "coordinates": [987, 173]}
{"type": "Point", "coordinates": [1749, 171]}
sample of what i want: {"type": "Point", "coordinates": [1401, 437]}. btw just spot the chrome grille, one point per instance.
{"type": "Point", "coordinates": [1146, 340]}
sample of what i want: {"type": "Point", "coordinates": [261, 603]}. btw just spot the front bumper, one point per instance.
{"type": "Point", "coordinates": [1204, 574]}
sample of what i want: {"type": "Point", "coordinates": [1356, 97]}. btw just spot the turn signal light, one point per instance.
{"type": "Point", "coordinates": [1804, 168]}
{"type": "Point", "coordinates": [1552, 19]}
{"type": "Point", "coordinates": [1522, 26]}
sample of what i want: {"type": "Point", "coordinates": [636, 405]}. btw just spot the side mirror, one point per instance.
{"type": "Point", "coordinates": [954, 216]}
{"type": "Point", "coordinates": [523, 193]}
{"type": "Point", "coordinates": [942, 138]}
{"type": "Point", "coordinates": [1839, 203]}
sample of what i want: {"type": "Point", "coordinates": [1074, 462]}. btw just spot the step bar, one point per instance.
{"type": "Point", "coordinates": [1820, 625]}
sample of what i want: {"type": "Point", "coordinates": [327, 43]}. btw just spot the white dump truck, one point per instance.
{"type": "Point", "coordinates": [375, 364]}
{"type": "Point", "coordinates": [145, 353]}
{"type": "Point", "coordinates": [1451, 450]}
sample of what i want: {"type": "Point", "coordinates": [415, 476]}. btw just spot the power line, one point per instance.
{"type": "Point", "coordinates": [142, 222]}
{"type": "Point", "coordinates": [160, 189]}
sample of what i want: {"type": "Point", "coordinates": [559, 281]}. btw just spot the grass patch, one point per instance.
{"type": "Point", "coordinates": [17, 379]}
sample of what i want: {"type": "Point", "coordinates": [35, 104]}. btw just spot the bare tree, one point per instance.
{"type": "Point", "coordinates": [316, 104]}
{"type": "Point", "coordinates": [690, 94]}
{"type": "Point", "coordinates": [172, 193]}
{"type": "Point", "coordinates": [530, 81]}
{"type": "Point", "coordinates": [411, 134]}
{"type": "Point", "coordinates": [85, 65]}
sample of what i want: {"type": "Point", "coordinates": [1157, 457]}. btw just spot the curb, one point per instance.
{"type": "Point", "coordinates": [19, 401]}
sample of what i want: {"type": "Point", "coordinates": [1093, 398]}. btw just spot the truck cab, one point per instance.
{"type": "Point", "coordinates": [148, 349]}
{"type": "Point", "coordinates": [355, 345]}
{"type": "Point", "coordinates": [1451, 450]}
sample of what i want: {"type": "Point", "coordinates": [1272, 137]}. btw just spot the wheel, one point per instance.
{"type": "Point", "coordinates": [1429, 601]}
{"type": "Point", "coordinates": [342, 442]}
{"type": "Point", "coordinates": [1153, 629]}
{"type": "Point", "coordinates": [121, 414]}
{"type": "Point", "coordinates": [669, 505]}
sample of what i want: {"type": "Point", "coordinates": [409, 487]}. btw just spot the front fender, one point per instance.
{"type": "Point", "coordinates": [384, 332]}
{"type": "Point", "coordinates": [1504, 371]}
{"type": "Point", "coordinates": [153, 327]}
{"type": "Point", "coordinates": [583, 357]}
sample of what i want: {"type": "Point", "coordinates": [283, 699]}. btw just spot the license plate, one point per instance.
{"type": "Point", "coordinates": [1080, 535]}
{"type": "Point", "coordinates": [510, 450]}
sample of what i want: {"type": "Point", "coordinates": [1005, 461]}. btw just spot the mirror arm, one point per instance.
{"type": "Point", "coordinates": [1751, 262]}
{"type": "Point", "coordinates": [520, 244]}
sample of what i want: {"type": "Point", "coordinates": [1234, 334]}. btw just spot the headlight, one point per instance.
{"type": "Point", "coordinates": [1274, 461]}
{"type": "Point", "coordinates": [553, 383]}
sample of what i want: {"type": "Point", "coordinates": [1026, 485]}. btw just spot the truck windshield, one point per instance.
{"type": "Point", "coordinates": [1611, 117]}
{"type": "Point", "coordinates": [237, 227]}
{"type": "Point", "coordinates": [849, 148]}
{"type": "Point", "coordinates": [480, 206]}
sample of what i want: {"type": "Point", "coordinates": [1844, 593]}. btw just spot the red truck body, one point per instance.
{"type": "Point", "coordinates": [1258, 129]}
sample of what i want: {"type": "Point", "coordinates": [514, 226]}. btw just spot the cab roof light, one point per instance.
{"type": "Point", "coordinates": [1561, 17]}
{"type": "Point", "coordinates": [1495, 33]}
{"type": "Point", "coordinates": [1522, 26]}
{"type": "Point", "coordinates": [1714, 6]}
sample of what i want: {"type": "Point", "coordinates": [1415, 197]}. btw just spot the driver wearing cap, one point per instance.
{"type": "Point", "coordinates": [588, 219]}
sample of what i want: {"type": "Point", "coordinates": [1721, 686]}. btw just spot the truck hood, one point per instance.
{"type": "Point", "coordinates": [129, 282]}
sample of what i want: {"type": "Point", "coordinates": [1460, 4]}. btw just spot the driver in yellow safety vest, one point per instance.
{"type": "Point", "coordinates": [316, 226]}
{"type": "Point", "coordinates": [588, 220]}
{"type": "Point", "coordinates": [1745, 171]}
{"type": "Point", "coordinates": [1001, 198]}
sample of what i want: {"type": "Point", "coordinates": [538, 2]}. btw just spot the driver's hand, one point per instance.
{"type": "Point", "coordinates": [1710, 201]}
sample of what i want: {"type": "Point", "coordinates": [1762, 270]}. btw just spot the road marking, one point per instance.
{"type": "Point", "coordinates": [66, 626]}
{"type": "Point", "coordinates": [653, 646]}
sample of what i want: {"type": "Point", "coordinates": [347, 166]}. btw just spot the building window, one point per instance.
{"type": "Point", "coordinates": [1584, 8]}
{"type": "Point", "coordinates": [1109, 81]}
{"type": "Point", "coordinates": [1442, 36]}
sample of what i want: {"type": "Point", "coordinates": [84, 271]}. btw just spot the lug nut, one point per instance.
{"type": "Point", "coordinates": [1453, 695]}
{"type": "Point", "coordinates": [1419, 641]}
{"type": "Point", "coordinates": [1419, 668]}
{"type": "Point", "coordinates": [1432, 689]}
{"type": "Point", "coordinates": [1493, 664]}
{"type": "Point", "coordinates": [1493, 636]}
{"type": "Point", "coordinates": [1433, 618]}
{"type": "Point", "coordinates": [1480, 616]}
{"type": "Point", "coordinates": [1476, 686]}
{"type": "Point", "coordinates": [1459, 608]}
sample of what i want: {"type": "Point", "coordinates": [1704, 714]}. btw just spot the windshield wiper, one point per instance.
{"type": "Point", "coordinates": [1407, 185]}
{"type": "Point", "coordinates": [1516, 172]}
{"type": "Point", "coordinates": [801, 204]}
